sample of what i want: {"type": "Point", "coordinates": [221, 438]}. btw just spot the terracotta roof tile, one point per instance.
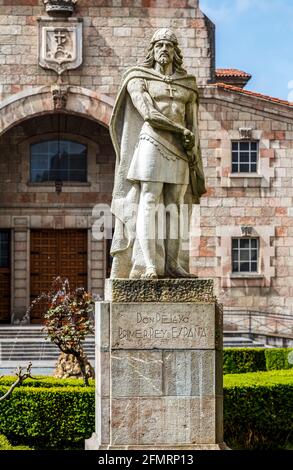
{"type": "Point", "coordinates": [252, 93]}
{"type": "Point", "coordinates": [232, 73]}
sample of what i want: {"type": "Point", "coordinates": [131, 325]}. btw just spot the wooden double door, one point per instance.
{"type": "Point", "coordinates": [5, 276]}
{"type": "Point", "coordinates": [56, 253]}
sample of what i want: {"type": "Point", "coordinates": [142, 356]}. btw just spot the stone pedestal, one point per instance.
{"type": "Point", "coordinates": [158, 366]}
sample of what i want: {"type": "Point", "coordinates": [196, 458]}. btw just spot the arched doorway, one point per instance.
{"type": "Point", "coordinates": [46, 226]}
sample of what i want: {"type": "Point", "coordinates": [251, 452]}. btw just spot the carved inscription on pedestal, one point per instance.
{"type": "Point", "coordinates": [163, 326]}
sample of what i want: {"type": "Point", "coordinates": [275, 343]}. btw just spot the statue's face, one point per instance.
{"type": "Point", "coordinates": [164, 52]}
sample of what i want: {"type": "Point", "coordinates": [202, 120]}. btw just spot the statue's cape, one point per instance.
{"type": "Point", "coordinates": [125, 127]}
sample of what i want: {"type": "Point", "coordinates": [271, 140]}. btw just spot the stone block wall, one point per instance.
{"type": "Point", "coordinates": [263, 202]}
{"type": "Point", "coordinates": [116, 36]}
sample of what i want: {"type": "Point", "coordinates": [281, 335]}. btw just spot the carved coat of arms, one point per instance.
{"type": "Point", "coordinates": [60, 47]}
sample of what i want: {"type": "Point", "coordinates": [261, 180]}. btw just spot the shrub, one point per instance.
{"type": "Point", "coordinates": [241, 360]}
{"type": "Point", "coordinates": [51, 417]}
{"type": "Point", "coordinates": [277, 359]}
{"type": "Point", "coordinates": [5, 445]}
{"type": "Point", "coordinates": [46, 382]}
{"type": "Point", "coordinates": [258, 410]}
{"type": "Point", "coordinates": [256, 379]}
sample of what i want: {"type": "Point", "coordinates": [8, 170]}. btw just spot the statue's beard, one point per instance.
{"type": "Point", "coordinates": [164, 60]}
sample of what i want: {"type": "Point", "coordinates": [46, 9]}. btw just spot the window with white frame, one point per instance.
{"type": "Point", "coordinates": [245, 255]}
{"type": "Point", "coordinates": [244, 156]}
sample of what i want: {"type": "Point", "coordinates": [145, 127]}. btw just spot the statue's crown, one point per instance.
{"type": "Point", "coordinates": [60, 7]}
{"type": "Point", "coordinates": [164, 34]}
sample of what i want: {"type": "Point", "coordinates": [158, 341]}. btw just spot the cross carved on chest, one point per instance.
{"type": "Point", "coordinates": [169, 87]}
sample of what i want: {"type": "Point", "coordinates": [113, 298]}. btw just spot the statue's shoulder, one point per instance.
{"type": "Point", "coordinates": [135, 72]}
{"type": "Point", "coordinates": [138, 72]}
{"type": "Point", "coordinates": [142, 73]}
{"type": "Point", "coordinates": [188, 81]}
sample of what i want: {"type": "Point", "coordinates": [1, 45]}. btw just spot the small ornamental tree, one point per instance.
{"type": "Point", "coordinates": [67, 321]}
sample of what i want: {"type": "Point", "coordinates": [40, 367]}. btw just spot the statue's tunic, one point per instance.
{"type": "Point", "coordinates": [155, 161]}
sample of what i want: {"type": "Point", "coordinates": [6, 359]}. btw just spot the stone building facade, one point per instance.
{"type": "Point", "coordinates": [243, 230]}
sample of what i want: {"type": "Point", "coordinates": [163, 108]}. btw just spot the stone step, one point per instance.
{"type": "Point", "coordinates": [40, 351]}
{"type": "Point", "coordinates": [21, 328]}
{"type": "Point", "coordinates": [44, 359]}
{"type": "Point", "coordinates": [238, 338]}
{"type": "Point", "coordinates": [33, 357]}
{"type": "Point", "coordinates": [241, 342]}
{"type": "Point", "coordinates": [29, 334]}
{"type": "Point", "coordinates": [36, 353]}
{"type": "Point", "coordinates": [31, 348]}
{"type": "Point", "coordinates": [14, 331]}
{"type": "Point", "coordinates": [37, 347]}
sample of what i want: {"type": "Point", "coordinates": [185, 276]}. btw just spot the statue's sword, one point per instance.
{"type": "Point", "coordinates": [192, 174]}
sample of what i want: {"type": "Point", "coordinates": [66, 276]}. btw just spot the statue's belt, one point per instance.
{"type": "Point", "coordinates": [159, 141]}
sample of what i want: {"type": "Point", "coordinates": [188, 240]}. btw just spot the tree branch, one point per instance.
{"type": "Point", "coordinates": [21, 377]}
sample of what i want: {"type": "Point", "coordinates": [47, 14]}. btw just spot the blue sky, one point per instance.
{"type": "Point", "coordinates": [255, 36]}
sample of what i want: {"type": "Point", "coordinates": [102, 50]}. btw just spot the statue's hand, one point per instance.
{"type": "Point", "coordinates": [157, 119]}
{"type": "Point", "coordinates": [188, 139]}
{"type": "Point", "coordinates": [153, 115]}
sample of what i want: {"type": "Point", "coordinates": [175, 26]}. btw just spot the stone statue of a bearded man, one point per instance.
{"type": "Point", "coordinates": [154, 129]}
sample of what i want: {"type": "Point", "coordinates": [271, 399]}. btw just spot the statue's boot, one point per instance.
{"type": "Point", "coordinates": [120, 266]}
{"type": "Point", "coordinates": [174, 270]}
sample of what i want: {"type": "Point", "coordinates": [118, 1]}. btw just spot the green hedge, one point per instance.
{"type": "Point", "coordinates": [45, 382]}
{"type": "Point", "coordinates": [48, 417]}
{"type": "Point", "coordinates": [5, 445]}
{"type": "Point", "coordinates": [258, 412]}
{"type": "Point", "coordinates": [257, 379]}
{"type": "Point", "coordinates": [242, 360]}
{"type": "Point", "coordinates": [277, 359]}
